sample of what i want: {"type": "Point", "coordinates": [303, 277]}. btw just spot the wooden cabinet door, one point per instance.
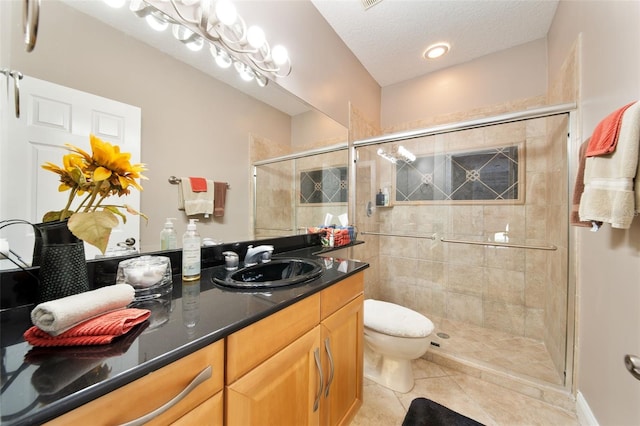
{"type": "Point", "coordinates": [282, 391]}
{"type": "Point", "coordinates": [342, 347]}
{"type": "Point", "coordinates": [209, 413]}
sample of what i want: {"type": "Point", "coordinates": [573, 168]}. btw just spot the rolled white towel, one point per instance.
{"type": "Point", "coordinates": [57, 316]}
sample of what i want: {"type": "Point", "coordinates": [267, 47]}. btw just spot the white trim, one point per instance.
{"type": "Point", "coordinates": [584, 413]}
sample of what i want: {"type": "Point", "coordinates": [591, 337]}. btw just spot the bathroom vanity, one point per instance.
{"type": "Point", "coordinates": [291, 355]}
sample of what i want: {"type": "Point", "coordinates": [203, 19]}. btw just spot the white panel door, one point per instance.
{"type": "Point", "coordinates": [52, 115]}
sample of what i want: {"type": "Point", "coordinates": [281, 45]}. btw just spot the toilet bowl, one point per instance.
{"type": "Point", "coordinates": [394, 336]}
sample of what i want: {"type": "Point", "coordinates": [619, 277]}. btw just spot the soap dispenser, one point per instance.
{"type": "Point", "coordinates": [191, 253]}
{"type": "Point", "coordinates": [168, 236]}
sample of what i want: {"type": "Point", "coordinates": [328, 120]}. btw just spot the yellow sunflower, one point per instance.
{"type": "Point", "coordinates": [104, 172]}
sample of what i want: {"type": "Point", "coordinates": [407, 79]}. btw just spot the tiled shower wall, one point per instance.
{"type": "Point", "coordinates": [278, 189]}
{"type": "Point", "coordinates": [519, 291]}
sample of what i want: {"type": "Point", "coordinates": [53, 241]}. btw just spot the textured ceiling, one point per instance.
{"type": "Point", "coordinates": [390, 37]}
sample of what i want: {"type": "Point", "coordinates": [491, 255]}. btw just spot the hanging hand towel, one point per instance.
{"type": "Point", "coordinates": [195, 203]}
{"type": "Point", "coordinates": [605, 136]}
{"type": "Point", "coordinates": [578, 189]}
{"type": "Point", "coordinates": [220, 198]}
{"type": "Point", "coordinates": [609, 193]}
{"type": "Point", "coordinates": [198, 184]}
{"type": "Point", "coordinates": [100, 330]}
{"type": "Point", "coordinates": [57, 316]}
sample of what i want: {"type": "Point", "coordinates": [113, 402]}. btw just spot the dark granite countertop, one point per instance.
{"type": "Point", "coordinates": [39, 384]}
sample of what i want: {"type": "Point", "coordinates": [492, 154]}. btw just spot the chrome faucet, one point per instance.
{"type": "Point", "coordinates": [255, 255]}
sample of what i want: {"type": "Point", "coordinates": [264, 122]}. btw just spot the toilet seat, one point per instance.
{"type": "Point", "coordinates": [395, 320]}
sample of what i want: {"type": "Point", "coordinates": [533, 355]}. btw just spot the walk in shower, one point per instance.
{"type": "Point", "coordinates": [474, 234]}
{"type": "Point", "coordinates": [476, 237]}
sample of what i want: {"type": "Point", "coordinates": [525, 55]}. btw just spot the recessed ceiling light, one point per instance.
{"type": "Point", "coordinates": [436, 50]}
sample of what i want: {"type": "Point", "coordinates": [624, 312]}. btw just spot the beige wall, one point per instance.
{"type": "Point", "coordinates": [499, 78]}
{"type": "Point", "coordinates": [326, 74]}
{"type": "Point", "coordinates": [608, 260]}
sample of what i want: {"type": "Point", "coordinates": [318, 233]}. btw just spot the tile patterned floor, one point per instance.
{"type": "Point", "coordinates": [482, 401]}
{"type": "Point", "coordinates": [502, 351]}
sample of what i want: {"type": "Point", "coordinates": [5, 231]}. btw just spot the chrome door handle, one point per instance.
{"type": "Point", "coordinates": [30, 20]}
{"type": "Point", "coordinates": [327, 347]}
{"type": "Point", "coordinates": [632, 363]}
{"type": "Point", "coordinates": [17, 76]}
{"type": "Point", "coordinates": [316, 403]}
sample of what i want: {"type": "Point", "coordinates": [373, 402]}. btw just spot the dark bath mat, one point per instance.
{"type": "Point", "coordinates": [424, 412]}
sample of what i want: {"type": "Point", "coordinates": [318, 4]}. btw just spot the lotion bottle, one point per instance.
{"type": "Point", "coordinates": [385, 193]}
{"type": "Point", "coordinates": [191, 253]}
{"type": "Point", "coordinates": [168, 236]}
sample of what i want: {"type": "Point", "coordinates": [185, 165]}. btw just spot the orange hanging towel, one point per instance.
{"type": "Point", "coordinates": [605, 136]}
{"type": "Point", "coordinates": [198, 184]}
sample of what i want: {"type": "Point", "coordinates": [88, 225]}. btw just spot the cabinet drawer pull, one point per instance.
{"type": "Point", "coordinates": [316, 403]}
{"type": "Point", "coordinates": [327, 347]}
{"type": "Point", "coordinates": [201, 377]}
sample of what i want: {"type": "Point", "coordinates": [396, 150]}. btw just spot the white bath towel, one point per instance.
{"type": "Point", "coordinates": [57, 316]}
{"type": "Point", "coordinates": [395, 320]}
{"type": "Point", "coordinates": [194, 203]}
{"type": "Point", "coordinates": [611, 186]}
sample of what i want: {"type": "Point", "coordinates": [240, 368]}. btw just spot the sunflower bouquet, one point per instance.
{"type": "Point", "coordinates": [91, 179]}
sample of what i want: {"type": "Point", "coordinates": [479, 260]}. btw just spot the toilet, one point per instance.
{"type": "Point", "coordinates": [394, 336]}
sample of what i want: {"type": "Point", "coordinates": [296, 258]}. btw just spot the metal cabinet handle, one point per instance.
{"type": "Point", "coordinates": [632, 363]}
{"type": "Point", "coordinates": [327, 347]}
{"type": "Point", "coordinates": [316, 403]}
{"type": "Point", "coordinates": [201, 377]}
{"type": "Point", "coordinates": [17, 76]}
{"type": "Point", "coordinates": [30, 19]}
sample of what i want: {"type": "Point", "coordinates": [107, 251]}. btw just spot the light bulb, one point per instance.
{"type": "Point", "coordinates": [195, 44]}
{"type": "Point", "coordinates": [436, 50]}
{"type": "Point", "coordinates": [226, 12]}
{"type": "Point", "coordinates": [279, 55]}
{"type": "Point", "coordinates": [255, 36]}
{"type": "Point", "coordinates": [261, 80]}
{"type": "Point", "coordinates": [156, 22]}
{"type": "Point", "coordinates": [222, 58]}
{"type": "Point", "coordinates": [247, 74]}
{"type": "Point", "coordinates": [408, 155]}
{"type": "Point", "coordinates": [180, 32]}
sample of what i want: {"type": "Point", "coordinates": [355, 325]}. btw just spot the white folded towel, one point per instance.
{"type": "Point", "coordinates": [57, 316]}
{"type": "Point", "coordinates": [194, 203]}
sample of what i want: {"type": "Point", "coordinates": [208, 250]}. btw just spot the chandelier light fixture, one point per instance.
{"type": "Point", "coordinates": [216, 24]}
{"type": "Point", "coordinates": [382, 153]}
{"type": "Point", "coordinates": [403, 154]}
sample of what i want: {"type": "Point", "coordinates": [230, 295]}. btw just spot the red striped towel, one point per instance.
{"type": "Point", "coordinates": [198, 184]}
{"type": "Point", "coordinates": [100, 330]}
{"type": "Point", "coordinates": [605, 136]}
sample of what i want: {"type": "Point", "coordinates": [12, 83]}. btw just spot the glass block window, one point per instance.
{"type": "Point", "coordinates": [488, 174]}
{"type": "Point", "coordinates": [327, 185]}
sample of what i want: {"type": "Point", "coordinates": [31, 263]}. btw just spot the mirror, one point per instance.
{"type": "Point", "coordinates": [195, 120]}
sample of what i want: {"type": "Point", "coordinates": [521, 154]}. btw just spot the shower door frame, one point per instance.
{"type": "Point", "coordinates": [572, 149]}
